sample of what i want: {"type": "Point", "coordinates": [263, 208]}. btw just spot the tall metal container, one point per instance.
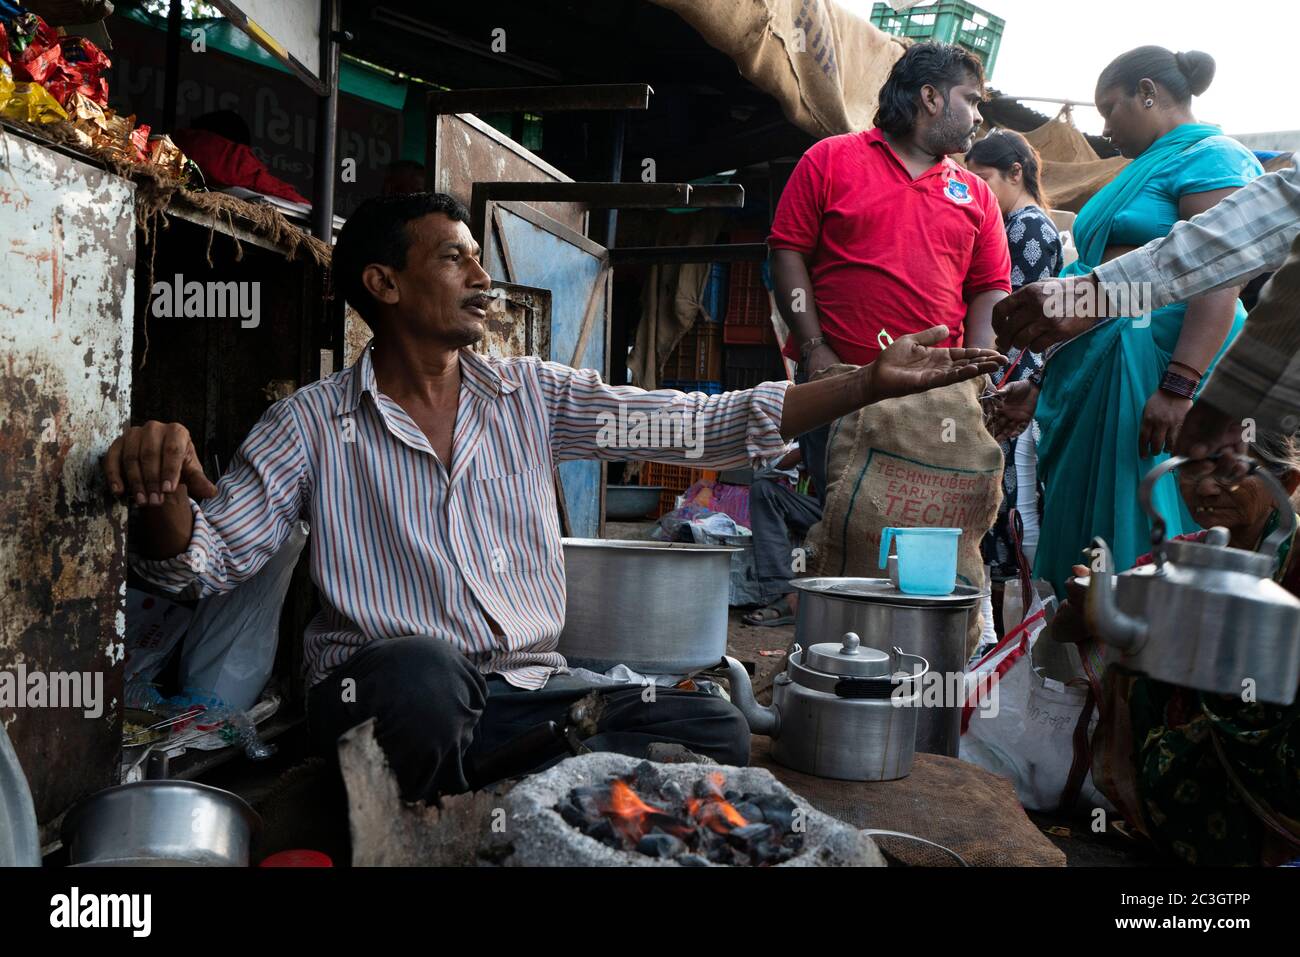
{"type": "Point", "coordinates": [884, 617]}
{"type": "Point", "coordinates": [657, 607]}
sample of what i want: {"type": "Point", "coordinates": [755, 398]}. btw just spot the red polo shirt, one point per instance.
{"type": "Point", "coordinates": [886, 251]}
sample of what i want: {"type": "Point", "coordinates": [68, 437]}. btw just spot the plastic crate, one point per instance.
{"type": "Point", "coordinates": [675, 480]}
{"type": "Point", "coordinates": [747, 366]}
{"type": "Point", "coordinates": [686, 385]}
{"type": "Point", "coordinates": [946, 21]}
{"type": "Point", "coordinates": [749, 307]}
{"type": "Point", "coordinates": [698, 357]}
{"type": "Point", "coordinates": [715, 293]}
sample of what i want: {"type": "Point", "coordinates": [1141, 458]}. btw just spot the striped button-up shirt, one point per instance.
{"type": "Point", "coordinates": [401, 546]}
{"type": "Point", "coordinates": [1241, 237]}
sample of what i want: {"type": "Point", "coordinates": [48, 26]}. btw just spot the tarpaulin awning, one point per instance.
{"type": "Point", "coordinates": [823, 64]}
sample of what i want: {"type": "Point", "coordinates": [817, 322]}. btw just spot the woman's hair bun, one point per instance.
{"type": "Point", "coordinates": [1198, 67]}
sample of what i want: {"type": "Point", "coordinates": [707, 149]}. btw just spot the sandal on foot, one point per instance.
{"type": "Point", "coordinates": [777, 613]}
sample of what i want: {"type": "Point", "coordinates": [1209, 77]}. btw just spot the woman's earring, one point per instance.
{"type": "Point", "coordinates": [1150, 103]}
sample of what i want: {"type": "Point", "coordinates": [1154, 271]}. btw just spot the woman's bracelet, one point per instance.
{"type": "Point", "coordinates": [1179, 385]}
{"type": "Point", "coordinates": [1035, 378]}
{"type": "Point", "coordinates": [1199, 375]}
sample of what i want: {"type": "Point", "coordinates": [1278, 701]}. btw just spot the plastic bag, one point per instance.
{"type": "Point", "coordinates": [230, 647]}
{"type": "Point", "coordinates": [1030, 730]}
{"type": "Point", "coordinates": [154, 626]}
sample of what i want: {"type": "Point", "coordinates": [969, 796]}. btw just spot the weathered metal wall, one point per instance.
{"type": "Point", "coordinates": [467, 150]}
{"type": "Point", "coordinates": [67, 252]}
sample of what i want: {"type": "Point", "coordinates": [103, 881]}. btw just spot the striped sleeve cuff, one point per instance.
{"type": "Point", "coordinates": [1136, 268]}
{"type": "Point", "coordinates": [763, 438]}
{"type": "Point", "coordinates": [183, 574]}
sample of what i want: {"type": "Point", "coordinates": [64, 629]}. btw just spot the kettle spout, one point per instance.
{"type": "Point", "coordinates": [761, 720]}
{"type": "Point", "coordinates": [1102, 613]}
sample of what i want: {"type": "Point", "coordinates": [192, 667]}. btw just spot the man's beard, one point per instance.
{"type": "Point", "coordinates": [950, 135]}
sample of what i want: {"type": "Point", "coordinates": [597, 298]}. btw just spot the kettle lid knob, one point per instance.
{"type": "Point", "coordinates": [850, 644]}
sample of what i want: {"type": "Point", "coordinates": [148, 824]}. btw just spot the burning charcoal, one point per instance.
{"type": "Point", "coordinates": [748, 809]}
{"type": "Point", "coordinates": [751, 834]}
{"type": "Point", "coordinates": [776, 810]}
{"type": "Point", "coordinates": [673, 794]}
{"type": "Point", "coordinates": [602, 829]}
{"type": "Point", "coordinates": [646, 778]}
{"type": "Point", "coordinates": [659, 844]}
{"type": "Point", "coordinates": [692, 860]}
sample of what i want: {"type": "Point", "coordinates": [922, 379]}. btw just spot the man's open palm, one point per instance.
{"type": "Point", "coordinates": [909, 365]}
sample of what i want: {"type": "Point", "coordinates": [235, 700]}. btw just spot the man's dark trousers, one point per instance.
{"type": "Point", "coordinates": [437, 715]}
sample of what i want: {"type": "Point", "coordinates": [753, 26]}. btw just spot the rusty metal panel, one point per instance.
{"type": "Point", "coordinates": [519, 323]}
{"type": "Point", "coordinates": [67, 244]}
{"type": "Point", "coordinates": [466, 150]}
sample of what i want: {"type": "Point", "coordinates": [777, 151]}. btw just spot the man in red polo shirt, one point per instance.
{"type": "Point", "coordinates": [879, 234]}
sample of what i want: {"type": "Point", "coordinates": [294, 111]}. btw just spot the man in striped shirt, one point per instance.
{"type": "Point", "coordinates": [425, 471]}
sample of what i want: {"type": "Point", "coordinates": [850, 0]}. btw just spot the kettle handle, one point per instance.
{"type": "Point", "coordinates": [1286, 521]}
{"type": "Point", "coordinates": [1158, 526]}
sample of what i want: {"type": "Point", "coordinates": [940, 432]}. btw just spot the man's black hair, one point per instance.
{"type": "Point", "coordinates": [376, 233]}
{"type": "Point", "coordinates": [941, 65]}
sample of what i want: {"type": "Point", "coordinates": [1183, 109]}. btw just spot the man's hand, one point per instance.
{"type": "Point", "coordinates": [154, 463]}
{"type": "Point", "coordinates": [1161, 420]}
{"type": "Point", "coordinates": [909, 366]}
{"type": "Point", "coordinates": [1021, 320]}
{"type": "Point", "coordinates": [1206, 432]}
{"type": "Point", "coordinates": [1013, 409]}
{"type": "Point", "coordinates": [821, 357]}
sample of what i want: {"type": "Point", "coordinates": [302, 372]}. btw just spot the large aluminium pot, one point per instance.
{"type": "Point", "coordinates": [657, 607]}
{"type": "Point", "coordinates": [161, 824]}
{"type": "Point", "coordinates": [934, 627]}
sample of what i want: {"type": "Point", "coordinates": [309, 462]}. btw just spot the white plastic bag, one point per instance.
{"type": "Point", "coordinates": [154, 625]}
{"type": "Point", "coordinates": [230, 647]}
{"type": "Point", "coordinates": [1029, 736]}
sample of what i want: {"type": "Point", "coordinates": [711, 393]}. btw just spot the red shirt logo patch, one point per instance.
{"type": "Point", "coordinates": [958, 192]}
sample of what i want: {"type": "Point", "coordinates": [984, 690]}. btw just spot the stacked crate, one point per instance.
{"type": "Point", "coordinates": [696, 364]}
{"type": "Point", "coordinates": [675, 480]}
{"type": "Point", "coordinates": [749, 308]}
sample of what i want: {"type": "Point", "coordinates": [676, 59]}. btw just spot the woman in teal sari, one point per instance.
{"type": "Point", "coordinates": [1111, 400]}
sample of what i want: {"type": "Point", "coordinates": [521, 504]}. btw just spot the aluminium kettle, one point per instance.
{"type": "Point", "coordinates": [840, 710]}
{"type": "Point", "coordinates": [1203, 615]}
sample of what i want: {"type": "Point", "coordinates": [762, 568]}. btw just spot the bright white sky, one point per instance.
{"type": "Point", "coordinates": [1057, 48]}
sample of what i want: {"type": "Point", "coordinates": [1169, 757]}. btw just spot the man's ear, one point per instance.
{"type": "Point", "coordinates": [931, 100]}
{"type": "Point", "coordinates": [380, 283]}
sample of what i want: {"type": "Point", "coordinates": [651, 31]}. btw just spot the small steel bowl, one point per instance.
{"type": "Point", "coordinates": [161, 824]}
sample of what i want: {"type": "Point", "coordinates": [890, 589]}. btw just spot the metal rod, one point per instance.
{"type": "Point", "coordinates": [327, 112]}
{"type": "Point", "coordinates": [727, 253]}
{"type": "Point", "coordinates": [597, 195]}
{"type": "Point", "coordinates": [618, 128]}
{"type": "Point", "coordinates": [1045, 99]}
{"type": "Point", "coordinates": [542, 99]}
{"type": "Point", "coordinates": [724, 195]}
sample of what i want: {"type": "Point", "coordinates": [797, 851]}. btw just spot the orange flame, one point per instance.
{"type": "Point", "coordinates": [713, 810]}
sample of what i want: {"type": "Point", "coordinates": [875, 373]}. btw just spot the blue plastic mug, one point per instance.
{"type": "Point", "coordinates": [927, 558]}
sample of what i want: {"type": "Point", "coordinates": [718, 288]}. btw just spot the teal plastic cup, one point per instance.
{"type": "Point", "coordinates": [927, 558]}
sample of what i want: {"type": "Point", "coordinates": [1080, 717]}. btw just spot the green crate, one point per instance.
{"type": "Point", "coordinates": [946, 21]}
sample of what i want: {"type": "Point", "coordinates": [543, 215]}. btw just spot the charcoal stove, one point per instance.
{"type": "Point", "coordinates": [609, 810]}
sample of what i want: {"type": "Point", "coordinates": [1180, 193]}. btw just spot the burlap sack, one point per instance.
{"type": "Point", "coordinates": [923, 461]}
{"type": "Point", "coordinates": [1072, 173]}
{"type": "Point", "coordinates": [823, 64]}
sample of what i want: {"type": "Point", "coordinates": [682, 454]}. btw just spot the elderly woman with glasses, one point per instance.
{"type": "Point", "coordinates": [1210, 780]}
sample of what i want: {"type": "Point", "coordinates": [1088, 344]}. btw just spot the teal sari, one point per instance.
{"type": "Point", "coordinates": [1095, 389]}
